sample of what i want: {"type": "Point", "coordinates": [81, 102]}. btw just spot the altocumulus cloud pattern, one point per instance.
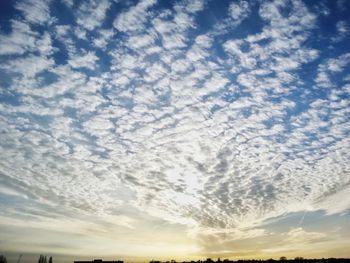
{"type": "Point", "coordinates": [215, 115]}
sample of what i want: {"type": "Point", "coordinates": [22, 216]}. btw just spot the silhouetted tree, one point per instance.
{"type": "Point", "coordinates": [283, 258]}
{"type": "Point", "coordinates": [42, 259]}
{"type": "Point", "coordinates": [3, 259]}
{"type": "Point", "coordinates": [50, 260]}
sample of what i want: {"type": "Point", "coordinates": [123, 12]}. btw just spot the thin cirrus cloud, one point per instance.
{"type": "Point", "coordinates": [117, 118]}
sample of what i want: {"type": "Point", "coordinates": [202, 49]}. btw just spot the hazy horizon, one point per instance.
{"type": "Point", "coordinates": [174, 129]}
{"type": "Point", "coordinates": [13, 257]}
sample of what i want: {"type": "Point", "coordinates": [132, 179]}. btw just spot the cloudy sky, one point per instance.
{"type": "Point", "coordinates": [174, 129]}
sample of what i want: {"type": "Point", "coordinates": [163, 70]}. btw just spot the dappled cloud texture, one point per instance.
{"type": "Point", "coordinates": [171, 111]}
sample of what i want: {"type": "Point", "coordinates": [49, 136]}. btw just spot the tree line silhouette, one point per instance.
{"type": "Point", "coordinates": [271, 260]}
{"type": "Point", "coordinates": [3, 259]}
{"type": "Point", "coordinates": [45, 259]}
{"type": "Point", "coordinates": [42, 259]}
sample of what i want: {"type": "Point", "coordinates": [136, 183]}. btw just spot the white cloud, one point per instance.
{"type": "Point", "coordinates": [104, 38]}
{"type": "Point", "coordinates": [30, 66]}
{"type": "Point", "coordinates": [21, 39]}
{"type": "Point", "coordinates": [239, 10]}
{"type": "Point", "coordinates": [342, 31]}
{"type": "Point", "coordinates": [134, 18]}
{"type": "Point", "coordinates": [335, 202]}
{"type": "Point", "coordinates": [92, 13]}
{"type": "Point", "coordinates": [199, 128]}
{"type": "Point", "coordinates": [328, 68]}
{"type": "Point", "coordinates": [37, 12]}
{"type": "Point", "coordinates": [194, 6]}
{"type": "Point", "coordinates": [98, 126]}
{"type": "Point", "coordinates": [141, 41]}
{"type": "Point", "coordinates": [299, 235]}
{"type": "Point", "coordinates": [87, 60]}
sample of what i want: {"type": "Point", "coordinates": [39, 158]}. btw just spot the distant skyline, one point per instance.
{"type": "Point", "coordinates": [187, 129]}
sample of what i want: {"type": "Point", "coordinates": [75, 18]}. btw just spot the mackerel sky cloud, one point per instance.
{"type": "Point", "coordinates": [193, 128]}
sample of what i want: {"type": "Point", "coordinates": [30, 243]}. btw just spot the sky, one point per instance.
{"type": "Point", "coordinates": [185, 129]}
